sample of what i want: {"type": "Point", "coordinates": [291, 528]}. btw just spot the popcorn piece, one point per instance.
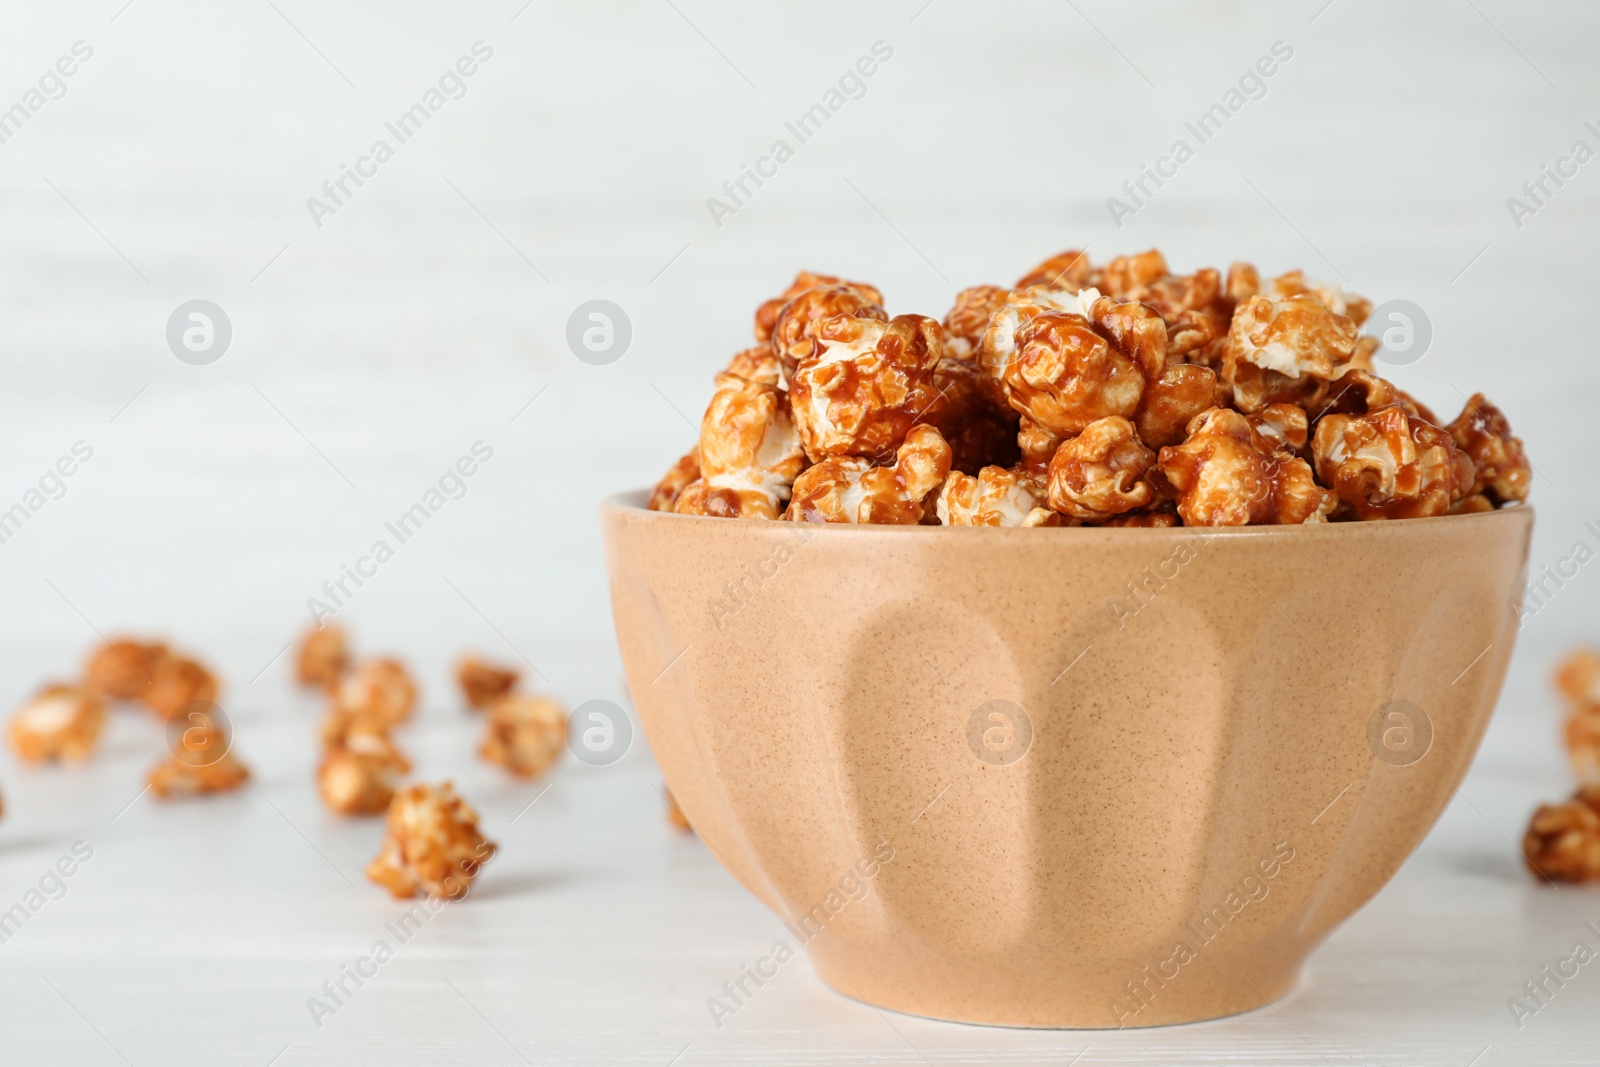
{"type": "Point", "coordinates": [1037, 444]}
{"type": "Point", "coordinates": [1390, 465]}
{"type": "Point", "coordinates": [1335, 299]}
{"type": "Point", "coordinates": [202, 761]}
{"type": "Point", "coordinates": [1471, 505]}
{"type": "Point", "coordinates": [379, 690]}
{"type": "Point", "coordinates": [1226, 474]}
{"type": "Point", "coordinates": [767, 313]}
{"type": "Point", "coordinates": [997, 348]}
{"type": "Point", "coordinates": [1101, 473]}
{"type": "Point", "coordinates": [1130, 277]}
{"type": "Point", "coordinates": [1563, 840]}
{"type": "Point", "coordinates": [795, 331]}
{"type": "Point", "coordinates": [431, 842]}
{"type": "Point", "coordinates": [664, 497]}
{"type": "Point", "coordinates": [525, 734]}
{"type": "Point", "coordinates": [61, 722]}
{"type": "Point", "coordinates": [1578, 676]}
{"type": "Point", "coordinates": [756, 364]}
{"type": "Point", "coordinates": [968, 318]}
{"type": "Point", "coordinates": [123, 669]}
{"type": "Point", "coordinates": [1581, 733]}
{"type": "Point", "coordinates": [864, 385]}
{"type": "Point", "coordinates": [749, 453]}
{"type": "Point", "coordinates": [1284, 427]}
{"type": "Point", "coordinates": [1066, 375]}
{"type": "Point", "coordinates": [482, 683]}
{"type": "Point", "coordinates": [324, 657]}
{"type": "Point", "coordinates": [1285, 350]}
{"type": "Point", "coordinates": [176, 681]}
{"type": "Point", "coordinates": [1482, 432]}
{"type": "Point", "coordinates": [360, 776]}
{"type": "Point", "coordinates": [851, 489]}
{"type": "Point", "coordinates": [1171, 402]}
{"type": "Point", "coordinates": [1244, 282]}
{"type": "Point", "coordinates": [1160, 519]}
{"type": "Point", "coordinates": [978, 432]}
{"type": "Point", "coordinates": [996, 497]}
{"type": "Point", "coordinates": [1069, 270]}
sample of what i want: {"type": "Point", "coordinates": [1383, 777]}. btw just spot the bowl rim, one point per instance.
{"type": "Point", "coordinates": [632, 503]}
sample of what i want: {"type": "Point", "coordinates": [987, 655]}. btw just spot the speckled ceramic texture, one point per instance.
{"type": "Point", "coordinates": [1236, 739]}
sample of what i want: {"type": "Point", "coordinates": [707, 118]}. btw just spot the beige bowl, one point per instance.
{"type": "Point", "coordinates": [1063, 777]}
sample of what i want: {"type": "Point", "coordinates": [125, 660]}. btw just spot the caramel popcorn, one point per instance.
{"type": "Point", "coordinates": [1227, 474]}
{"type": "Point", "coordinates": [202, 761]}
{"type": "Point", "coordinates": [1258, 401]}
{"type": "Point", "coordinates": [996, 497]}
{"type": "Point", "coordinates": [865, 384]}
{"type": "Point", "coordinates": [123, 669]}
{"type": "Point", "coordinates": [482, 683]}
{"type": "Point", "coordinates": [767, 313]}
{"type": "Point", "coordinates": [379, 690]}
{"type": "Point", "coordinates": [1581, 733]}
{"type": "Point", "coordinates": [1578, 677]}
{"type": "Point", "coordinates": [851, 489]}
{"type": "Point", "coordinates": [1390, 465]}
{"type": "Point", "coordinates": [1563, 840]}
{"type": "Point", "coordinates": [1502, 470]}
{"type": "Point", "coordinates": [525, 734]}
{"type": "Point", "coordinates": [1101, 473]}
{"type": "Point", "coordinates": [359, 775]}
{"type": "Point", "coordinates": [60, 722]}
{"type": "Point", "coordinates": [176, 681]}
{"type": "Point", "coordinates": [324, 656]}
{"type": "Point", "coordinates": [749, 453]}
{"type": "Point", "coordinates": [431, 842]}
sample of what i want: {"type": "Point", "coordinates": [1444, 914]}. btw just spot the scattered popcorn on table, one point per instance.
{"type": "Point", "coordinates": [380, 690]}
{"type": "Point", "coordinates": [1563, 840]}
{"type": "Point", "coordinates": [124, 669]}
{"type": "Point", "coordinates": [324, 657]}
{"type": "Point", "coordinates": [359, 775]}
{"type": "Point", "coordinates": [1257, 400]}
{"type": "Point", "coordinates": [179, 680]}
{"type": "Point", "coordinates": [61, 722]}
{"type": "Point", "coordinates": [431, 843]}
{"type": "Point", "coordinates": [202, 761]}
{"type": "Point", "coordinates": [482, 683]}
{"type": "Point", "coordinates": [525, 734]}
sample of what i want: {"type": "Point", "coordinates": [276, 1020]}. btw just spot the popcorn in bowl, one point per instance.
{"type": "Point", "coordinates": [1118, 394]}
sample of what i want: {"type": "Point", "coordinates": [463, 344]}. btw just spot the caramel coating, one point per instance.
{"type": "Point", "coordinates": [750, 453]}
{"type": "Point", "coordinates": [1581, 735]}
{"type": "Point", "coordinates": [482, 683]}
{"type": "Point", "coordinates": [1563, 840]}
{"type": "Point", "coordinates": [431, 842]}
{"type": "Point", "coordinates": [1069, 270]}
{"type": "Point", "coordinates": [794, 334]}
{"type": "Point", "coordinates": [968, 317]}
{"type": "Point", "coordinates": [664, 497]}
{"type": "Point", "coordinates": [207, 765]}
{"type": "Point", "coordinates": [176, 681]}
{"type": "Point", "coordinates": [865, 384]}
{"type": "Point", "coordinates": [1285, 350]}
{"type": "Point", "coordinates": [1171, 402]}
{"type": "Point", "coordinates": [359, 775]}
{"type": "Point", "coordinates": [1066, 375]}
{"type": "Point", "coordinates": [1483, 433]}
{"type": "Point", "coordinates": [758, 364]}
{"type": "Point", "coordinates": [124, 668]}
{"type": "Point", "coordinates": [1227, 474]}
{"type": "Point", "coordinates": [1101, 473]}
{"type": "Point", "coordinates": [379, 690]}
{"type": "Point", "coordinates": [1037, 444]}
{"type": "Point", "coordinates": [1390, 464]}
{"type": "Point", "coordinates": [979, 432]}
{"type": "Point", "coordinates": [1333, 297]}
{"type": "Point", "coordinates": [1284, 427]}
{"type": "Point", "coordinates": [60, 722]}
{"type": "Point", "coordinates": [851, 489]}
{"type": "Point", "coordinates": [767, 313]}
{"type": "Point", "coordinates": [996, 497]}
{"type": "Point", "coordinates": [323, 658]}
{"type": "Point", "coordinates": [525, 734]}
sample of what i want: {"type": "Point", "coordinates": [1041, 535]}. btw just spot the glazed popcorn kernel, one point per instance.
{"type": "Point", "coordinates": [864, 385]}
{"type": "Point", "coordinates": [379, 690]}
{"type": "Point", "coordinates": [431, 843]}
{"type": "Point", "coordinates": [482, 683]}
{"type": "Point", "coordinates": [1284, 427]}
{"type": "Point", "coordinates": [997, 347]}
{"type": "Point", "coordinates": [968, 318]}
{"type": "Point", "coordinates": [60, 722]}
{"type": "Point", "coordinates": [979, 433]}
{"type": "Point", "coordinates": [324, 656]}
{"type": "Point", "coordinates": [203, 763]}
{"type": "Point", "coordinates": [1101, 473]}
{"type": "Point", "coordinates": [996, 497]}
{"type": "Point", "coordinates": [1390, 465]}
{"type": "Point", "coordinates": [851, 489]}
{"type": "Point", "coordinates": [1171, 402]}
{"type": "Point", "coordinates": [749, 453]}
{"type": "Point", "coordinates": [795, 332]}
{"type": "Point", "coordinates": [359, 777]}
{"type": "Point", "coordinates": [1581, 734]}
{"type": "Point", "coordinates": [1066, 375]}
{"type": "Point", "coordinates": [1285, 350]}
{"type": "Point", "coordinates": [1482, 432]}
{"type": "Point", "coordinates": [1037, 445]}
{"type": "Point", "coordinates": [1333, 297]}
{"type": "Point", "coordinates": [1226, 474]}
{"type": "Point", "coordinates": [767, 313]}
{"type": "Point", "coordinates": [664, 497]}
{"type": "Point", "coordinates": [757, 364]}
{"type": "Point", "coordinates": [123, 669]}
{"type": "Point", "coordinates": [1578, 676]}
{"type": "Point", "coordinates": [525, 734]}
{"type": "Point", "coordinates": [176, 681]}
{"type": "Point", "coordinates": [1069, 270]}
{"type": "Point", "coordinates": [1563, 840]}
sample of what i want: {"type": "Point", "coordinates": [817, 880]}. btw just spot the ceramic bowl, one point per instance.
{"type": "Point", "coordinates": [1063, 777]}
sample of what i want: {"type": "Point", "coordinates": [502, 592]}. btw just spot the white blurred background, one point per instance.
{"type": "Point", "coordinates": [371, 351]}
